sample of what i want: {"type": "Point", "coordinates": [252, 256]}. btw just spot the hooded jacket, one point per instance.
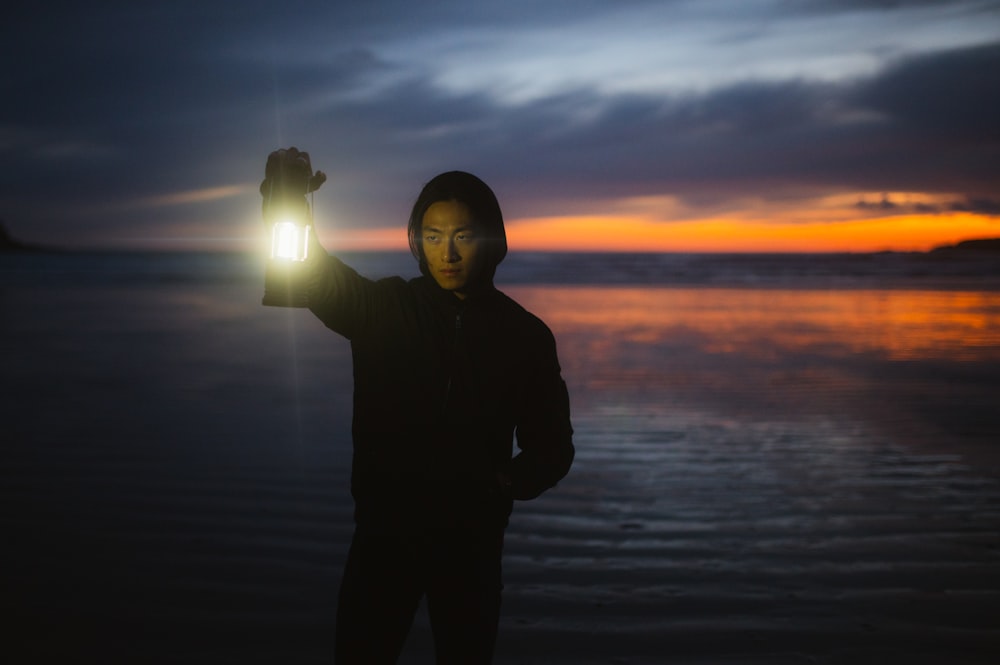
{"type": "Point", "coordinates": [442, 387]}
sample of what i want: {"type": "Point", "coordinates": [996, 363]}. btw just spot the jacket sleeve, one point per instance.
{"type": "Point", "coordinates": [340, 297]}
{"type": "Point", "coordinates": [545, 434]}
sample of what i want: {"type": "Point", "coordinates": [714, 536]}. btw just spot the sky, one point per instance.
{"type": "Point", "coordinates": [628, 125]}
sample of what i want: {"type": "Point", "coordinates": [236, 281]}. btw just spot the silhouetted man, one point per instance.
{"type": "Point", "coordinates": [448, 371]}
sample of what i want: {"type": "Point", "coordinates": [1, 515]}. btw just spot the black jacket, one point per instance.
{"type": "Point", "coordinates": [441, 386]}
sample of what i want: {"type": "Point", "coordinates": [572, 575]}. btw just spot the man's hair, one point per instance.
{"type": "Point", "coordinates": [476, 195]}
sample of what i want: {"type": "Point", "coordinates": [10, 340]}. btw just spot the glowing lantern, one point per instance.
{"type": "Point", "coordinates": [289, 240]}
{"type": "Point", "coordinates": [288, 218]}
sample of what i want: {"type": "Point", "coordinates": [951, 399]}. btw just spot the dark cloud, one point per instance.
{"type": "Point", "coordinates": [883, 205]}
{"type": "Point", "coordinates": [952, 94]}
{"type": "Point", "coordinates": [981, 206]}
{"type": "Point", "coordinates": [927, 124]}
{"type": "Point", "coordinates": [836, 6]}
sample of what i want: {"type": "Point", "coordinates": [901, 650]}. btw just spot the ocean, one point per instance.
{"type": "Point", "coordinates": [781, 459]}
{"type": "Point", "coordinates": [941, 269]}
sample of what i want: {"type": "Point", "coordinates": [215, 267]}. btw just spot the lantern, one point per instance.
{"type": "Point", "coordinates": [288, 220]}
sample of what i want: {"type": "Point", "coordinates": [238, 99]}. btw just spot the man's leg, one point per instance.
{"type": "Point", "coordinates": [379, 596]}
{"type": "Point", "coordinates": [463, 597]}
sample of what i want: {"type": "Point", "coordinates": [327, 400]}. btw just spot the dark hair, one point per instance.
{"type": "Point", "coordinates": [475, 194]}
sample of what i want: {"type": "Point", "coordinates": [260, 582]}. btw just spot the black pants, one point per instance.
{"type": "Point", "coordinates": [388, 572]}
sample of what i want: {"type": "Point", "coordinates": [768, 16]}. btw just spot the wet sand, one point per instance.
{"type": "Point", "coordinates": [762, 477]}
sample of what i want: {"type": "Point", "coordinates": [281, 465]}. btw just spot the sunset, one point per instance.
{"type": "Point", "coordinates": [902, 233]}
{"type": "Point", "coordinates": [909, 233]}
{"type": "Point", "coordinates": [757, 126]}
{"type": "Point", "coordinates": [523, 332]}
{"type": "Point", "coordinates": [834, 224]}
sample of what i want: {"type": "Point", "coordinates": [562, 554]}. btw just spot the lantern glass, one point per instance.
{"type": "Point", "coordinates": [290, 241]}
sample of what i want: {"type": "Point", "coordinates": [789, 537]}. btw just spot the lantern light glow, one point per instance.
{"type": "Point", "coordinates": [290, 241]}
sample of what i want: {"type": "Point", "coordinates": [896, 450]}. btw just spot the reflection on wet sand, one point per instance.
{"type": "Point", "coordinates": [785, 475]}
{"type": "Point", "coordinates": [913, 364]}
{"type": "Point", "coordinates": [894, 324]}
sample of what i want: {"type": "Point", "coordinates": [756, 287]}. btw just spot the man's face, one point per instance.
{"type": "Point", "coordinates": [451, 246]}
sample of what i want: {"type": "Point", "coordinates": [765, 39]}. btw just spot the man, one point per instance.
{"type": "Point", "coordinates": [447, 371]}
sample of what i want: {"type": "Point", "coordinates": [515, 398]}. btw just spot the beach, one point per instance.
{"type": "Point", "coordinates": [774, 467]}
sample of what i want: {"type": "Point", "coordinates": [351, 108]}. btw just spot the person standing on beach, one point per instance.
{"type": "Point", "coordinates": [447, 372]}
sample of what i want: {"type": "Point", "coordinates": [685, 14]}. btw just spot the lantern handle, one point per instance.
{"type": "Point", "coordinates": [288, 174]}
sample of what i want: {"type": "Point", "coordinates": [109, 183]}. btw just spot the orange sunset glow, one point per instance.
{"type": "Point", "coordinates": [850, 222]}
{"type": "Point", "coordinates": [907, 233]}
{"type": "Point", "coordinates": [834, 224]}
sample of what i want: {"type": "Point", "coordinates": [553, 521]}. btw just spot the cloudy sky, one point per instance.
{"type": "Point", "coordinates": [732, 125]}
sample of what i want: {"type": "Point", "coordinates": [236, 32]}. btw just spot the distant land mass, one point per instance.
{"type": "Point", "coordinates": [10, 244]}
{"type": "Point", "coordinates": [977, 245]}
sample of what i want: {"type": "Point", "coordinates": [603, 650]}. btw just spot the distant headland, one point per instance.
{"type": "Point", "coordinates": [978, 245]}
{"type": "Point", "coordinates": [9, 243]}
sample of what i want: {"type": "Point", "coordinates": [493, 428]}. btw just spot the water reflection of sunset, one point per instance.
{"type": "Point", "coordinates": [892, 324]}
